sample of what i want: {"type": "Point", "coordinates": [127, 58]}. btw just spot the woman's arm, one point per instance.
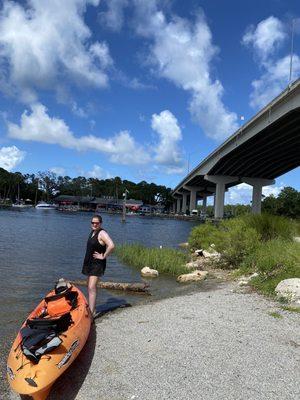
{"type": "Point", "coordinates": [104, 237]}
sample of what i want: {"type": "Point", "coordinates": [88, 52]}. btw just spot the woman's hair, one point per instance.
{"type": "Point", "coordinates": [98, 217]}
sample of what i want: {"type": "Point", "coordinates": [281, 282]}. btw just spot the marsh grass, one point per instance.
{"type": "Point", "coordinates": [275, 261]}
{"type": "Point", "coordinates": [165, 260]}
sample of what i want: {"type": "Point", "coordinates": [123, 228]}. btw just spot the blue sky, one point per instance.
{"type": "Point", "coordinates": [139, 89]}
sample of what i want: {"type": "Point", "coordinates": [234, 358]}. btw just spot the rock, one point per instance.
{"type": "Point", "coordinates": [184, 245]}
{"type": "Point", "coordinates": [289, 289]}
{"type": "Point", "coordinates": [208, 254]}
{"type": "Point", "coordinates": [198, 253]}
{"type": "Point", "coordinates": [195, 276]}
{"type": "Point", "coordinates": [148, 272]}
{"type": "Point", "coordinates": [244, 280]}
{"type": "Point", "coordinates": [191, 265]}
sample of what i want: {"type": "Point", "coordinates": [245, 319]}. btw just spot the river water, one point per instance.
{"type": "Point", "coordinates": [39, 246]}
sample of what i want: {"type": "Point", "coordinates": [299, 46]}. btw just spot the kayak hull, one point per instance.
{"type": "Point", "coordinates": [36, 380]}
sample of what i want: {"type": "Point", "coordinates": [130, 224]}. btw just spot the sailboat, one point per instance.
{"type": "Point", "coordinates": [20, 203]}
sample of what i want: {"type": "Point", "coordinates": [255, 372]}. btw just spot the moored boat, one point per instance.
{"type": "Point", "coordinates": [46, 206]}
{"type": "Point", "coordinates": [49, 341]}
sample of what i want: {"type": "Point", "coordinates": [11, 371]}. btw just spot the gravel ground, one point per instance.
{"type": "Point", "coordinates": [206, 345]}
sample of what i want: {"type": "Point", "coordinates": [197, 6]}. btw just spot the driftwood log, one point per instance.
{"type": "Point", "coordinates": [141, 288]}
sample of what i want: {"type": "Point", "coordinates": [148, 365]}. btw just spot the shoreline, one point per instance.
{"type": "Point", "coordinates": [214, 344]}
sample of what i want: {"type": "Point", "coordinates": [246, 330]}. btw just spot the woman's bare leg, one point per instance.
{"type": "Point", "coordinates": [92, 291]}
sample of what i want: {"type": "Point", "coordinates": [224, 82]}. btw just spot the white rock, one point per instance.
{"type": "Point", "coordinates": [195, 276]}
{"type": "Point", "coordinates": [208, 254]}
{"type": "Point", "coordinates": [184, 245]}
{"type": "Point", "coordinates": [191, 265]}
{"type": "Point", "coordinates": [289, 289]}
{"type": "Point", "coordinates": [198, 252]}
{"type": "Point", "coordinates": [146, 271]}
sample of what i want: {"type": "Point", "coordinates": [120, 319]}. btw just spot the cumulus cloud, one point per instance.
{"type": "Point", "coordinates": [10, 157]}
{"type": "Point", "coordinates": [43, 44]}
{"type": "Point", "coordinates": [266, 39]}
{"type": "Point", "coordinates": [39, 126]}
{"type": "Point", "coordinates": [97, 172]}
{"type": "Point", "coordinates": [167, 152]}
{"type": "Point", "coordinates": [182, 52]}
{"type": "Point", "coordinates": [273, 81]}
{"type": "Point", "coordinates": [58, 171]}
{"type": "Point", "coordinates": [113, 16]}
{"type": "Point", "coordinates": [242, 193]}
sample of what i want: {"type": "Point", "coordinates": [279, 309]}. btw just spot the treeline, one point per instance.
{"type": "Point", "coordinates": [287, 204]}
{"type": "Point", "coordinates": [47, 185]}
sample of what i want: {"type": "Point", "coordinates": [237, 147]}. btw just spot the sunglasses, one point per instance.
{"type": "Point", "coordinates": [95, 223]}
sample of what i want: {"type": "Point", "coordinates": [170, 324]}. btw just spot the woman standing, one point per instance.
{"type": "Point", "coordinates": [98, 248]}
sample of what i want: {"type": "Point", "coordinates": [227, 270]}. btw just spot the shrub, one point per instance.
{"type": "Point", "coordinates": [235, 240]}
{"type": "Point", "coordinates": [202, 236]}
{"type": "Point", "coordinates": [164, 260]}
{"type": "Point", "coordinates": [271, 226]}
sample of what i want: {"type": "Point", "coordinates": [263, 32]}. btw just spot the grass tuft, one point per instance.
{"type": "Point", "coordinates": [275, 314]}
{"type": "Point", "coordinates": [291, 309]}
{"type": "Point", "coordinates": [165, 260]}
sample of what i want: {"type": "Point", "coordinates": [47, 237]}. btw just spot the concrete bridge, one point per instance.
{"type": "Point", "coordinates": [260, 151]}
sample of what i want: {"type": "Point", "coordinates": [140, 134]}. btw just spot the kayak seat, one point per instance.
{"type": "Point", "coordinates": [61, 303]}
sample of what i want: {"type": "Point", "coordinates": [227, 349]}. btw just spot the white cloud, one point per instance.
{"type": "Point", "coordinates": [272, 190]}
{"type": "Point", "coordinates": [10, 157]}
{"type": "Point", "coordinates": [273, 81]}
{"type": "Point", "coordinates": [39, 126]}
{"type": "Point", "coordinates": [113, 17]}
{"type": "Point", "coordinates": [44, 44]}
{"type": "Point", "coordinates": [266, 39]}
{"type": "Point", "coordinates": [97, 172]}
{"type": "Point", "coordinates": [242, 193]}
{"type": "Point", "coordinates": [182, 52]}
{"type": "Point", "coordinates": [58, 171]}
{"type": "Point", "coordinates": [167, 151]}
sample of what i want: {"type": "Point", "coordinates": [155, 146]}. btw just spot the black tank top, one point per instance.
{"type": "Point", "coordinates": [92, 246]}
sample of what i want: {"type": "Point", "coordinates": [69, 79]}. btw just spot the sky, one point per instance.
{"type": "Point", "coordinates": [143, 90]}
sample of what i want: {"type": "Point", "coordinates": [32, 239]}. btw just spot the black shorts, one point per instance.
{"type": "Point", "coordinates": [94, 269]}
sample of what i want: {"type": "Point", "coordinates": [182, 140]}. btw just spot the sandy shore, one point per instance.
{"type": "Point", "coordinates": [206, 345]}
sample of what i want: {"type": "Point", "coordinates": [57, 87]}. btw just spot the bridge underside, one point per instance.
{"type": "Point", "coordinates": [271, 152]}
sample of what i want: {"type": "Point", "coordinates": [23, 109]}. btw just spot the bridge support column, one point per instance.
{"type": "Point", "coordinates": [204, 204]}
{"type": "Point", "coordinates": [184, 198]}
{"type": "Point", "coordinates": [178, 204]}
{"type": "Point", "coordinates": [220, 182]}
{"type": "Point", "coordinates": [193, 200]}
{"type": "Point", "coordinates": [257, 185]}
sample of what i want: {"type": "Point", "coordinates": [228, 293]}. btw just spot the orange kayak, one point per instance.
{"type": "Point", "coordinates": [34, 365]}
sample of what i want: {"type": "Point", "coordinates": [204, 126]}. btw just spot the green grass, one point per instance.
{"type": "Point", "coordinates": [275, 314]}
{"type": "Point", "coordinates": [291, 309]}
{"type": "Point", "coordinates": [254, 243]}
{"type": "Point", "coordinates": [165, 260]}
{"type": "Point", "coordinates": [271, 227]}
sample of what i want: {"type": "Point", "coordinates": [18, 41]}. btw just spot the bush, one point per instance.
{"type": "Point", "coordinates": [202, 236]}
{"type": "Point", "coordinates": [271, 226]}
{"type": "Point", "coordinates": [164, 260]}
{"type": "Point", "coordinates": [234, 241]}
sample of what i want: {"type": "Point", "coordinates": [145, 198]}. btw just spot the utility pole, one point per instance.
{"type": "Point", "coordinates": [124, 205]}
{"type": "Point", "coordinates": [292, 51]}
